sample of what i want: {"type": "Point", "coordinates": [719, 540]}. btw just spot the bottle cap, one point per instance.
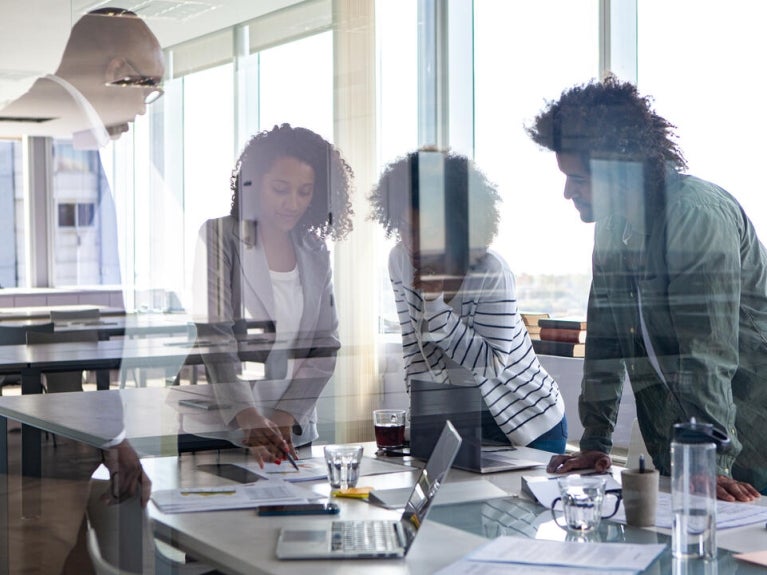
{"type": "Point", "coordinates": [694, 432]}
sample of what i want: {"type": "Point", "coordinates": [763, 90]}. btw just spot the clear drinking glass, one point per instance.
{"type": "Point", "coordinates": [343, 465]}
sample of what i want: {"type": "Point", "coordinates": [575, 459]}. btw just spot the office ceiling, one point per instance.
{"type": "Point", "coordinates": [33, 32]}
{"type": "Point", "coordinates": [175, 21]}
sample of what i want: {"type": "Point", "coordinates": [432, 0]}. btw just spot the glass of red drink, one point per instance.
{"type": "Point", "coordinates": [389, 428]}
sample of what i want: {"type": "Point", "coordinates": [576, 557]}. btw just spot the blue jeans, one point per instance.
{"type": "Point", "coordinates": [554, 440]}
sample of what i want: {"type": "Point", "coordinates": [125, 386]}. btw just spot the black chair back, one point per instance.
{"type": "Point", "coordinates": [17, 334]}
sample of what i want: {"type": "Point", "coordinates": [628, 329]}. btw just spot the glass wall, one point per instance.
{"type": "Point", "coordinates": [545, 243]}
{"type": "Point", "coordinates": [411, 192]}
{"type": "Point", "coordinates": [722, 78]}
{"type": "Point", "coordinates": [84, 238]}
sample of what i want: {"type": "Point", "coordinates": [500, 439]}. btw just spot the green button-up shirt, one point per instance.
{"type": "Point", "coordinates": [700, 274]}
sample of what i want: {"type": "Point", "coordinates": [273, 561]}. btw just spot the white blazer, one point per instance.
{"type": "Point", "coordinates": [237, 286]}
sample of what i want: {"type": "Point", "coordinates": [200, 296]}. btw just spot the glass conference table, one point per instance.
{"type": "Point", "coordinates": [241, 542]}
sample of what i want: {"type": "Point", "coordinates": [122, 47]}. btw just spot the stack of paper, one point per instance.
{"type": "Point", "coordinates": [308, 470]}
{"type": "Point", "coordinates": [236, 496]}
{"type": "Point", "coordinates": [728, 515]}
{"type": "Point", "coordinates": [518, 555]}
{"type": "Point", "coordinates": [315, 469]}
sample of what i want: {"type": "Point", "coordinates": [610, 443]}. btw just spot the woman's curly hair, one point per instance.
{"type": "Point", "coordinates": [609, 120]}
{"type": "Point", "coordinates": [391, 196]}
{"type": "Point", "coordinates": [330, 213]}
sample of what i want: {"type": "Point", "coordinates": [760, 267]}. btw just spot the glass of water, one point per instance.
{"type": "Point", "coordinates": [343, 465]}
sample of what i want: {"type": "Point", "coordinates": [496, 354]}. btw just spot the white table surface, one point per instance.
{"type": "Point", "coordinates": [241, 542]}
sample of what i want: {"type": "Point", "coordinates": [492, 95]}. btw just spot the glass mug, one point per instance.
{"type": "Point", "coordinates": [582, 500]}
{"type": "Point", "coordinates": [389, 426]}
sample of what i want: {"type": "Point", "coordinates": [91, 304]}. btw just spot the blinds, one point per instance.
{"type": "Point", "coordinates": [201, 53]}
{"type": "Point", "coordinates": [290, 24]}
{"type": "Point", "coordinates": [278, 27]}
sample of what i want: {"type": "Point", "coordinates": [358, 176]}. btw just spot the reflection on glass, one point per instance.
{"type": "Point", "coordinates": [267, 262]}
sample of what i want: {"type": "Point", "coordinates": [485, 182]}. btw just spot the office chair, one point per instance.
{"type": "Point", "coordinates": [17, 335]}
{"type": "Point", "coordinates": [101, 565]}
{"type": "Point", "coordinates": [57, 382]}
{"type": "Point", "coordinates": [120, 540]}
{"type": "Point", "coordinates": [83, 315]}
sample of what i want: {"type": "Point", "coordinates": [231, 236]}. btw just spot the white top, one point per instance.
{"type": "Point", "coordinates": [233, 278]}
{"type": "Point", "coordinates": [288, 307]}
{"type": "Point", "coordinates": [288, 302]}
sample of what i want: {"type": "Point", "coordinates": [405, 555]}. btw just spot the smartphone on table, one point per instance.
{"type": "Point", "coordinates": [299, 509]}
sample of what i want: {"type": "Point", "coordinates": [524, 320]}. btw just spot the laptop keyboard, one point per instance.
{"type": "Point", "coordinates": [370, 535]}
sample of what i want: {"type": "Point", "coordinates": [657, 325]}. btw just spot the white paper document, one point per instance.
{"type": "Point", "coordinates": [235, 496]}
{"type": "Point", "coordinates": [466, 567]}
{"type": "Point", "coordinates": [546, 489]}
{"type": "Point", "coordinates": [728, 514]}
{"type": "Point", "coordinates": [601, 557]}
{"type": "Point", "coordinates": [308, 470]}
{"type": "Point", "coordinates": [315, 468]}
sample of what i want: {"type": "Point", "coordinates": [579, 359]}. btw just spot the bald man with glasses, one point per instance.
{"type": "Point", "coordinates": [111, 69]}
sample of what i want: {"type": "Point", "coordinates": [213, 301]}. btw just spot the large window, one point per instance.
{"type": "Point", "coordinates": [11, 215]}
{"type": "Point", "coordinates": [397, 102]}
{"type": "Point", "coordinates": [84, 236]}
{"type": "Point", "coordinates": [175, 170]}
{"type": "Point", "coordinates": [208, 151]}
{"type": "Point", "coordinates": [296, 84]}
{"type": "Point", "coordinates": [710, 89]}
{"type": "Point", "coordinates": [519, 62]}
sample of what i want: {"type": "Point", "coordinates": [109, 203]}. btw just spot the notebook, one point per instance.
{"type": "Point", "coordinates": [376, 538]}
{"type": "Point", "coordinates": [485, 448]}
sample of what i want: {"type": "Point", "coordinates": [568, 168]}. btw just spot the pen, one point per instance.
{"type": "Point", "coordinates": [208, 492]}
{"type": "Point", "coordinates": [553, 477]}
{"type": "Point", "coordinates": [641, 463]}
{"type": "Point", "coordinates": [289, 457]}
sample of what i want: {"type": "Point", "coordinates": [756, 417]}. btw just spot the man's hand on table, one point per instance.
{"type": "Point", "coordinates": [126, 476]}
{"type": "Point", "coordinates": [596, 460]}
{"type": "Point", "coordinates": [729, 489]}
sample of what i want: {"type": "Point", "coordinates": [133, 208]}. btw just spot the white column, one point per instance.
{"type": "Point", "coordinates": [356, 382]}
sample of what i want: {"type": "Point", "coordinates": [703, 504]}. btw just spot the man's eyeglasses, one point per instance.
{"type": "Point", "coordinates": [136, 80]}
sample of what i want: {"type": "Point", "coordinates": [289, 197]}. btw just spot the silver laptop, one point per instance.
{"type": "Point", "coordinates": [485, 448]}
{"type": "Point", "coordinates": [376, 538]}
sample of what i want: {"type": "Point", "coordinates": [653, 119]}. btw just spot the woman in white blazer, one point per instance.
{"type": "Point", "coordinates": [268, 262]}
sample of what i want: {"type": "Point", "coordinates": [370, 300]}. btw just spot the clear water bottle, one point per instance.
{"type": "Point", "coordinates": [693, 490]}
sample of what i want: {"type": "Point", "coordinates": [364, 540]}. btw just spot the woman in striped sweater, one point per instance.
{"type": "Point", "coordinates": [456, 298]}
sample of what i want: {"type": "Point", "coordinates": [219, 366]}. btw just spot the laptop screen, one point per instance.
{"type": "Point", "coordinates": [428, 483]}
{"type": "Point", "coordinates": [432, 403]}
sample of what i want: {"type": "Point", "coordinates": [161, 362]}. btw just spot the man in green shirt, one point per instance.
{"type": "Point", "coordinates": [678, 300]}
